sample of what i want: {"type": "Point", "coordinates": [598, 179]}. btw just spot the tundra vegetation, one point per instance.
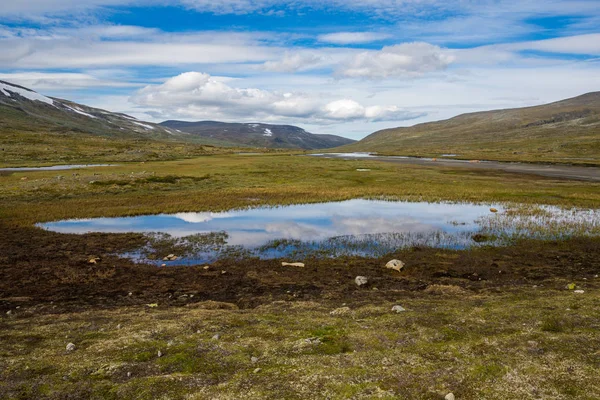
{"type": "Point", "coordinates": [511, 322]}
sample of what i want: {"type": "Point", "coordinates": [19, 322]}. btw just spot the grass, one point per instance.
{"type": "Point", "coordinates": [491, 343]}
{"type": "Point", "coordinates": [221, 182]}
{"type": "Point", "coordinates": [474, 345]}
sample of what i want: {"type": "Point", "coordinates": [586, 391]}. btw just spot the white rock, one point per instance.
{"type": "Point", "coordinates": [160, 354]}
{"type": "Point", "coordinates": [71, 347]}
{"type": "Point", "coordinates": [449, 396]}
{"type": "Point", "coordinates": [395, 264]}
{"type": "Point", "coordinates": [361, 280]}
{"type": "Point", "coordinates": [216, 337]}
{"type": "Point", "coordinates": [254, 360]}
{"type": "Point", "coordinates": [579, 291]}
{"type": "Point", "coordinates": [398, 309]}
{"type": "Point", "coordinates": [295, 264]}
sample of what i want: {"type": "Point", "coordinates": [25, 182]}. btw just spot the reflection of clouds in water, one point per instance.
{"type": "Point", "coordinates": [294, 230]}
{"type": "Point", "coordinates": [361, 226]}
{"type": "Point", "coordinates": [196, 218]}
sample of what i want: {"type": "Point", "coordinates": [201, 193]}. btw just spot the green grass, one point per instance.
{"type": "Point", "coordinates": [474, 345]}
{"type": "Point", "coordinates": [222, 182]}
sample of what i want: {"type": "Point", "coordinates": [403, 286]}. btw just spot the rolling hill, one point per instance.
{"type": "Point", "coordinates": [24, 109]}
{"type": "Point", "coordinates": [567, 131]}
{"type": "Point", "coordinates": [258, 135]}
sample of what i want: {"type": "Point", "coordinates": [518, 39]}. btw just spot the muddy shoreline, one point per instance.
{"type": "Point", "coordinates": [52, 270]}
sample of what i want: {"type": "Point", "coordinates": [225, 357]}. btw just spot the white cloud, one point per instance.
{"type": "Point", "coordinates": [579, 44]}
{"type": "Point", "coordinates": [197, 95]}
{"type": "Point", "coordinates": [352, 37]}
{"type": "Point", "coordinates": [60, 80]}
{"type": "Point", "coordinates": [404, 60]}
{"type": "Point", "coordinates": [293, 62]}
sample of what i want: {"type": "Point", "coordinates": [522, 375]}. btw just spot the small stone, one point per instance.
{"type": "Point", "coordinates": [163, 265]}
{"type": "Point", "coordinates": [257, 370]}
{"type": "Point", "coordinates": [9, 312]}
{"type": "Point", "coordinates": [395, 265]}
{"type": "Point", "coordinates": [398, 309]}
{"type": "Point", "coordinates": [361, 280]}
{"type": "Point", "coordinates": [449, 396]}
{"type": "Point", "coordinates": [216, 337]}
{"type": "Point", "coordinates": [119, 326]}
{"type": "Point", "coordinates": [294, 264]}
{"type": "Point", "coordinates": [130, 294]}
{"type": "Point", "coordinates": [340, 311]}
{"type": "Point", "coordinates": [71, 347]}
{"type": "Point", "coordinates": [223, 272]}
{"type": "Point", "coordinates": [129, 374]}
{"type": "Point", "coordinates": [571, 286]}
{"type": "Point", "coordinates": [579, 291]}
{"type": "Point", "coordinates": [254, 360]}
{"type": "Point", "coordinates": [494, 210]}
{"type": "Point", "coordinates": [206, 267]}
{"type": "Point", "coordinates": [160, 354]}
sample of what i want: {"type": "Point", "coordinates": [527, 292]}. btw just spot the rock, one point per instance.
{"type": "Point", "coordinates": [398, 309]}
{"type": "Point", "coordinates": [340, 311]}
{"type": "Point", "coordinates": [216, 337]}
{"type": "Point", "coordinates": [449, 396]}
{"type": "Point", "coordinates": [94, 260]}
{"type": "Point", "coordinates": [159, 354]}
{"type": "Point", "coordinates": [579, 291]}
{"type": "Point", "coordinates": [119, 326]}
{"type": "Point", "coordinates": [361, 280]}
{"type": "Point", "coordinates": [163, 265]}
{"type": "Point", "coordinates": [71, 347]}
{"type": "Point", "coordinates": [494, 210]}
{"type": "Point", "coordinates": [294, 264]}
{"type": "Point", "coordinates": [129, 374]}
{"type": "Point", "coordinates": [206, 267]}
{"type": "Point", "coordinates": [254, 360]}
{"type": "Point", "coordinates": [395, 264]}
{"type": "Point", "coordinates": [257, 370]}
{"type": "Point", "coordinates": [9, 312]}
{"type": "Point", "coordinates": [571, 286]}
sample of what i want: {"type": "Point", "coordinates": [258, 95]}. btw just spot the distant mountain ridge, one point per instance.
{"type": "Point", "coordinates": [26, 110]}
{"type": "Point", "coordinates": [23, 108]}
{"type": "Point", "coordinates": [564, 131]}
{"type": "Point", "coordinates": [257, 134]}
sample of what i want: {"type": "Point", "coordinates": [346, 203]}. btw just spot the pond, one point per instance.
{"type": "Point", "coordinates": [54, 167]}
{"type": "Point", "coordinates": [361, 227]}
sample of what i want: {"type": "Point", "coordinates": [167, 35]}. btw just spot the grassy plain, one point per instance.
{"type": "Point", "coordinates": [482, 324]}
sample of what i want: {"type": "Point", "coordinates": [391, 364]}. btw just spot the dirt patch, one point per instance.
{"type": "Point", "coordinates": [52, 270]}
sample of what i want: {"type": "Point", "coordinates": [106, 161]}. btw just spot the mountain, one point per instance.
{"type": "Point", "coordinates": [566, 131]}
{"type": "Point", "coordinates": [23, 109]}
{"type": "Point", "coordinates": [258, 135]}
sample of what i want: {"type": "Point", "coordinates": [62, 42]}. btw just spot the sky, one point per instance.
{"type": "Point", "coordinates": [345, 67]}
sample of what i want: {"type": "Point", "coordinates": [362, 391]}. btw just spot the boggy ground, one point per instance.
{"type": "Point", "coordinates": [38, 266]}
{"type": "Point", "coordinates": [490, 323]}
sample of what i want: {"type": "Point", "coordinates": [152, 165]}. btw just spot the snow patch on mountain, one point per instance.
{"type": "Point", "coordinates": [268, 132]}
{"type": "Point", "coordinates": [28, 94]}
{"type": "Point", "coordinates": [143, 125]}
{"type": "Point", "coordinates": [79, 111]}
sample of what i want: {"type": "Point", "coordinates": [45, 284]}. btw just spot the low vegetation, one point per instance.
{"type": "Point", "coordinates": [488, 323]}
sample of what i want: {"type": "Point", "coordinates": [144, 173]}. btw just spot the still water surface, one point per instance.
{"type": "Point", "coordinates": [353, 227]}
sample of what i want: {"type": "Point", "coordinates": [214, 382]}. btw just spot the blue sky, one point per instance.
{"type": "Point", "coordinates": [345, 67]}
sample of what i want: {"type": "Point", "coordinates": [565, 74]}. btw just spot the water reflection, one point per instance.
{"type": "Point", "coordinates": [354, 227]}
{"type": "Point", "coordinates": [54, 167]}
